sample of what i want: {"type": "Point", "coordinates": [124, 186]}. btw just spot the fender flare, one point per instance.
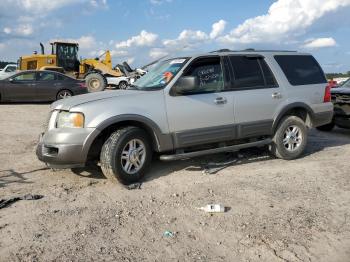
{"type": "Point", "coordinates": [161, 142]}
{"type": "Point", "coordinates": [289, 107]}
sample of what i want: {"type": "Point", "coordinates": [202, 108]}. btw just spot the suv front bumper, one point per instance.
{"type": "Point", "coordinates": [64, 148]}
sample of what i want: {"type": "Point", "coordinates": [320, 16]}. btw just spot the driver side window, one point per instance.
{"type": "Point", "coordinates": [25, 77]}
{"type": "Point", "coordinates": [208, 73]}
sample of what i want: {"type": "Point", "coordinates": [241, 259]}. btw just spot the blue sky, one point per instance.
{"type": "Point", "coordinates": [141, 31]}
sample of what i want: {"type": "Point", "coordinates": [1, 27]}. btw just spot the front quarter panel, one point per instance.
{"type": "Point", "coordinates": [148, 104]}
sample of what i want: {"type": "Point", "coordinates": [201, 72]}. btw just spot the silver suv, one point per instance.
{"type": "Point", "coordinates": [190, 106]}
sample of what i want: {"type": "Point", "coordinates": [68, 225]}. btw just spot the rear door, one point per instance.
{"type": "Point", "coordinates": [47, 85]}
{"type": "Point", "coordinates": [21, 87]}
{"type": "Point", "coordinates": [257, 95]}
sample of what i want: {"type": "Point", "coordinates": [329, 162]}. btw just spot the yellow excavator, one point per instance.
{"type": "Point", "coordinates": [64, 59]}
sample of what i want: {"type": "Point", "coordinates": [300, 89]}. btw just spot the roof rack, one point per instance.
{"type": "Point", "coordinates": [250, 50]}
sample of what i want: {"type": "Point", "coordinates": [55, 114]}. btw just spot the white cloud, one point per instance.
{"type": "Point", "coordinates": [7, 30]}
{"type": "Point", "coordinates": [217, 28]}
{"type": "Point", "coordinates": [285, 19]}
{"type": "Point", "coordinates": [143, 39]}
{"type": "Point", "coordinates": [130, 60]}
{"type": "Point", "coordinates": [159, 2]}
{"type": "Point", "coordinates": [87, 42]}
{"type": "Point", "coordinates": [156, 53]}
{"type": "Point", "coordinates": [24, 30]}
{"type": "Point", "coordinates": [320, 43]}
{"type": "Point", "coordinates": [186, 39]}
{"type": "Point", "coordinates": [22, 18]}
{"type": "Point", "coordinates": [119, 53]}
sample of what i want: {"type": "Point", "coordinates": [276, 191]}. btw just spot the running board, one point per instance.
{"type": "Point", "coordinates": [233, 148]}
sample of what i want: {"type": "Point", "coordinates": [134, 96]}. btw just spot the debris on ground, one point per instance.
{"type": "Point", "coordinates": [134, 186]}
{"type": "Point", "coordinates": [7, 202]}
{"type": "Point", "coordinates": [213, 208]}
{"type": "Point", "coordinates": [169, 234]}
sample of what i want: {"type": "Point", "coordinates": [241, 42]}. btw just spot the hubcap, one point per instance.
{"type": "Point", "coordinates": [292, 138]}
{"type": "Point", "coordinates": [64, 94]}
{"type": "Point", "coordinates": [133, 156]}
{"type": "Point", "coordinates": [94, 83]}
{"type": "Point", "coordinates": [122, 86]}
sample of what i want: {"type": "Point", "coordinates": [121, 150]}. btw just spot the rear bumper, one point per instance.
{"type": "Point", "coordinates": [322, 118]}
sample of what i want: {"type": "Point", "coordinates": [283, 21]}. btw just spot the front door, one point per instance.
{"type": "Point", "coordinates": [205, 114]}
{"type": "Point", "coordinates": [21, 87]}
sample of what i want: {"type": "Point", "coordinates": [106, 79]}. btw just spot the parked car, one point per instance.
{"type": "Point", "coordinates": [341, 101]}
{"type": "Point", "coordinates": [8, 70]}
{"type": "Point", "coordinates": [121, 82]}
{"type": "Point", "coordinates": [191, 106]}
{"type": "Point", "coordinates": [39, 86]}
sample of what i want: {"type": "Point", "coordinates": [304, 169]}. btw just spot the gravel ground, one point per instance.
{"type": "Point", "coordinates": [278, 210]}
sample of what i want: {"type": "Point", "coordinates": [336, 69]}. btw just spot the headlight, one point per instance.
{"type": "Point", "coordinates": [70, 120]}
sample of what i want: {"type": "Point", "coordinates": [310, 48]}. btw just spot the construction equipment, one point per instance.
{"type": "Point", "coordinates": [64, 58]}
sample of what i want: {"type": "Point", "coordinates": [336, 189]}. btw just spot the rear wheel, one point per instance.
{"type": "Point", "coordinates": [63, 94]}
{"type": "Point", "coordinates": [123, 85]}
{"type": "Point", "coordinates": [290, 138]}
{"type": "Point", "coordinates": [326, 128]}
{"type": "Point", "coordinates": [126, 155]}
{"type": "Point", "coordinates": [95, 82]}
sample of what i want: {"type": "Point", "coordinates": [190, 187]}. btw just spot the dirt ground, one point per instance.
{"type": "Point", "coordinates": [278, 210]}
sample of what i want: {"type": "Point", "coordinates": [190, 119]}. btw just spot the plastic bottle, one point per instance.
{"type": "Point", "coordinates": [213, 208]}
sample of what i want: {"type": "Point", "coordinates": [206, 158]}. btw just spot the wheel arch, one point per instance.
{"type": "Point", "coordinates": [93, 144]}
{"type": "Point", "coordinates": [299, 109]}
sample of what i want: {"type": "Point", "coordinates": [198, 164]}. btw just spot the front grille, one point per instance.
{"type": "Point", "coordinates": [341, 98]}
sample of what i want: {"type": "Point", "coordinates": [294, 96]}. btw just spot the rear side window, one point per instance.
{"type": "Point", "coordinates": [251, 72]}
{"type": "Point", "coordinates": [301, 69]}
{"type": "Point", "coordinates": [62, 77]}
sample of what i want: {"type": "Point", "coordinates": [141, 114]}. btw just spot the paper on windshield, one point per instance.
{"type": "Point", "coordinates": [177, 61]}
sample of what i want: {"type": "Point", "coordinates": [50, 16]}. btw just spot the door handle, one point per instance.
{"type": "Point", "coordinates": [220, 100]}
{"type": "Point", "coordinates": [276, 95]}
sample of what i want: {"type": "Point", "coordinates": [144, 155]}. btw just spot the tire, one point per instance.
{"type": "Point", "coordinates": [114, 161]}
{"type": "Point", "coordinates": [123, 85]}
{"type": "Point", "coordinates": [326, 128]}
{"type": "Point", "coordinates": [289, 147]}
{"type": "Point", "coordinates": [62, 94]}
{"type": "Point", "coordinates": [95, 82]}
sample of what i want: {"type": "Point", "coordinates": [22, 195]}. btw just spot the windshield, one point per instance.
{"type": "Point", "coordinates": [161, 74]}
{"type": "Point", "coordinates": [346, 84]}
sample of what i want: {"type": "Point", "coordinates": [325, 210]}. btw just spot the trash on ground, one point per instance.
{"type": "Point", "coordinates": [134, 186]}
{"type": "Point", "coordinates": [168, 234]}
{"type": "Point", "coordinates": [214, 208]}
{"type": "Point", "coordinates": [7, 202]}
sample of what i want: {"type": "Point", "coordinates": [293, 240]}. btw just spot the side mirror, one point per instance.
{"type": "Point", "coordinates": [186, 84]}
{"type": "Point", "coordinates": [11, 79]}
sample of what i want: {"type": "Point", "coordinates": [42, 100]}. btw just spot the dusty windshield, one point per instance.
{"type": "Point", "coordinates": [346, 84]}
{"type": "Point", "coordinates": [160, 75]}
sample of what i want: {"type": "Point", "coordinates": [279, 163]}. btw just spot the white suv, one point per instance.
{"type": "Point", "coordinates": [191, 106]}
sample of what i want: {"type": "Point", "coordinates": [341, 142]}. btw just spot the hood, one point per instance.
{"type": "Point", "coordinates": [341, 90]}
{"type": "Point", "coordinates": [68, 103]}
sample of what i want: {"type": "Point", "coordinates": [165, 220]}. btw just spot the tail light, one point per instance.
{"type": "Point", "coordinates": [327, 94]}
{"type": "Point", "coordinates": [82, 84]}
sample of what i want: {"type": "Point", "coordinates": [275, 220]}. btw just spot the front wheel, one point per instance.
{"type": "Point", "coordinates": [290, 138]}
{"type": "Point", "coordinates": [126, 155]}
